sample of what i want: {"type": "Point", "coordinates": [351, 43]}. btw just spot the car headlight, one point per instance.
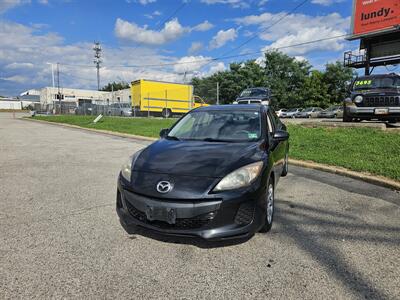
{"type": "Point", "coordinates": [241, 177]}
{"type": "Point", "coordinates": [358, 99]}
{"type": "Point", "coordinates": [126, 169]}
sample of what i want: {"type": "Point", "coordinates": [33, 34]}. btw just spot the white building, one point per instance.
{"type": "Point", "coordinates": [10, 103]}
{"type": "Point", "coordinates": [49, 95]}
{"type": "Point", "coordinates": [123, 96]}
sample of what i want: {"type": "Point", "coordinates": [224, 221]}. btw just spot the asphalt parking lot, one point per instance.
{"type": "Point", "coordinates": [333, 237]}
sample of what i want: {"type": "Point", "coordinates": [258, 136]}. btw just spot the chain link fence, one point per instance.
{"type": "Point", "coordinates": [86, 108]}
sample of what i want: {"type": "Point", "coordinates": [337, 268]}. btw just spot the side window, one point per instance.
{"type": "Point", "coordinates": [270, 123]}
{"type": "Point", "coordinates": [275, 119]}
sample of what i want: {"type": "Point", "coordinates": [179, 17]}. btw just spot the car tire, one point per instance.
{"type": "Point", "coordinates": [270, 206]}
{"type": "Point", "coordinates": [166, 113]}
{"type": "Point", "coordinates": [285, 169]}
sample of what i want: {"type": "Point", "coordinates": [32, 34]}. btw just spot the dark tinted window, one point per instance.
{"type": "Point", "coordinates": [376, 83]}
{"type": "Point", "coordinates": [254, 93]}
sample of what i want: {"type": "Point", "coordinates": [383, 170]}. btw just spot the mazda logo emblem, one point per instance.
{"type": "Point", "coordinates": [164, 187]}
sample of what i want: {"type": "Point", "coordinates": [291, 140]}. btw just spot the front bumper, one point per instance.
{"type": "Point", "coordinates": [369, 112]}
{"type": "Point", "coordinates": [224, 216]}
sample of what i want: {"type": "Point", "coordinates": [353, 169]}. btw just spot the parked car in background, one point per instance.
{"type": "Point", "coordinates": [120, 109]}
{"type": "Point", "coordinates": [212, 175]}
{"type": "Point", "coordinates": [257, 95]}
{"type": "Point", "coordinates": [335, 111]}
{"type": "Point", "coordinates": [280, 112]}
{"type": "Point", "coordinates": [375, 97]}
{"type": "Point", "coordinates": [291, 113]}
{"type": "Point", "coordinates": [309, 112]}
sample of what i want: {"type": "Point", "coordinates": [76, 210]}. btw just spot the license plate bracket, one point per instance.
{"type": "Point", "coordinates": [166, 214]}
{"type": "Point", "coordinates": [381, 111]}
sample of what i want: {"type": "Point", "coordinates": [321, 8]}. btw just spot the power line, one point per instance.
{"type": "Point", "coordinates": [220, 57]}
{"type": "Point", "coordinates": [285, 15]}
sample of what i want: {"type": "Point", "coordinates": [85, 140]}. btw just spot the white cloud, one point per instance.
{"type": "Point", "coordinates": [299, 28]}
{"type": "Point", "coordinates": [19, 66]}
{"type": "Point", "coordinates": [195, 47]}
{"type": "Point", "coordinates": [305, 36]}
{"type": "Point", "coordinates": [9, 4]}
{"type": "Point", "coordinates": [132, 32]}
{"type": "Point", "coordinates": [222, 37]}
{"type": "Point", "coordinates": [326, 2]}
{"type": "Point", "coordinates": [219, 67]}
{"type": "Point", "coordinates": [17, 79]}
{"type": "Point", "coordinates": [191, 63]}
{"type": "Point", "coordinates": [24, 65]}
{"type": "Point", "coordinates": [44, 2]}
{"type": "Point", "coordinates": [145, 2]}
{"type": "Point", "coordinates": [204, 26]}
{"type": "Point", "coordinates": [233, 3]}
{"type": "Point", "coordinates": [155, 13]}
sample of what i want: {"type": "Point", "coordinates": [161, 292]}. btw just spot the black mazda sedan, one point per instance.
{"type": "Point", "coordinates": [212, 175]}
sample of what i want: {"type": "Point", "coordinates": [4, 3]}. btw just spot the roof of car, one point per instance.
{"type": "Point", "coordinates": [236, 107]}
{"type": "Point", "coordinates": [379, 76]}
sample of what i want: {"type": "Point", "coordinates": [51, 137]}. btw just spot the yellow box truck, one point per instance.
{"type": "Point", "coordinates": [150, 97]}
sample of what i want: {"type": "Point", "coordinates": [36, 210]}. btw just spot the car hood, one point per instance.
{"type": "Point", "coordinates": [377, 92]}
{"type": "Point", "coordinates": [196, 158]}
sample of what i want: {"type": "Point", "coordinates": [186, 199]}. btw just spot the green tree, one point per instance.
{"type": "Point", "coordinates": [291, 81]}
{"type": "Point", "coordinates": [115, 86]}
{"type": "Point", "coordinates": [231, 82]}
{"type": "Point", "coordinates": [315, 90]}
{"type": "Point", "coordinates": [337, 76]}
{"type": "Point", "coordinates": [286, 77]}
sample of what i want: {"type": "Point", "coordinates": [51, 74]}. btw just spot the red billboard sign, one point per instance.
{"type": "Point", "coordinates": [370, 16]}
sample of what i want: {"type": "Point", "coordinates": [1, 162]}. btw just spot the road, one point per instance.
{"type": "Point", "coordinates": [333, 237]}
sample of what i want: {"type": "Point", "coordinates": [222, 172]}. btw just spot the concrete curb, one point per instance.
{"type": "Point", "coordinates": [377, 180]}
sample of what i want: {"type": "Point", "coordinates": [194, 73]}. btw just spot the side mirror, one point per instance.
{"type": "Point", "coordinates": [281, 135]}
{"type": "Point", "coordinates": [164, 132]}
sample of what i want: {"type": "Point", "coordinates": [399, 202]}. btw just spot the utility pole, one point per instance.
{"type": "Point", "coordinates": [217, 93]}
{"type": "Point", "coordinates": [58, 86]}
{"type": "Point", "coordinates": [52, 73]}
{"type": "Point", "coordinates": [97, 61]}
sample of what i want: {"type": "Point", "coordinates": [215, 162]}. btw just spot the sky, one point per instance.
{"type": "Point", "coordinates": [170, 40]}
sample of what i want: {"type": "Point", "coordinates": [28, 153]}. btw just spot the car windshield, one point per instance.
{"type": "Point", "coordinates": [292, 110]}
{"type": "Point", "coordinates": [364, 83]}
{"type": "Point", "coordinates": [254, 93]}
{"type": "Point", "coordinates": [308, 109]}
{"type": "Point", "coordinates": [214, 126]}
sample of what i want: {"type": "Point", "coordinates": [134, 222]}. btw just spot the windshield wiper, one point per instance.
{"type": "Point", "coordinates": [217, 140]}
{"type": "Point", "coordinates": [172, 137]}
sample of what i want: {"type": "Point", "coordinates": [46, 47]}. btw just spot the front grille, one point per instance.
{"type": "Point", "coordinates": [245, 213]}
{"type": "Point", "coordinates": [181, 223]}
{"type": "Point", "coordinates": [374, 101]}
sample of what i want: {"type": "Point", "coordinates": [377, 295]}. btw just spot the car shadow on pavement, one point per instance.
{"type": "Point", "coordinates": [318, 231]}
{"type": "Point", "coordinates": [198, 242]}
